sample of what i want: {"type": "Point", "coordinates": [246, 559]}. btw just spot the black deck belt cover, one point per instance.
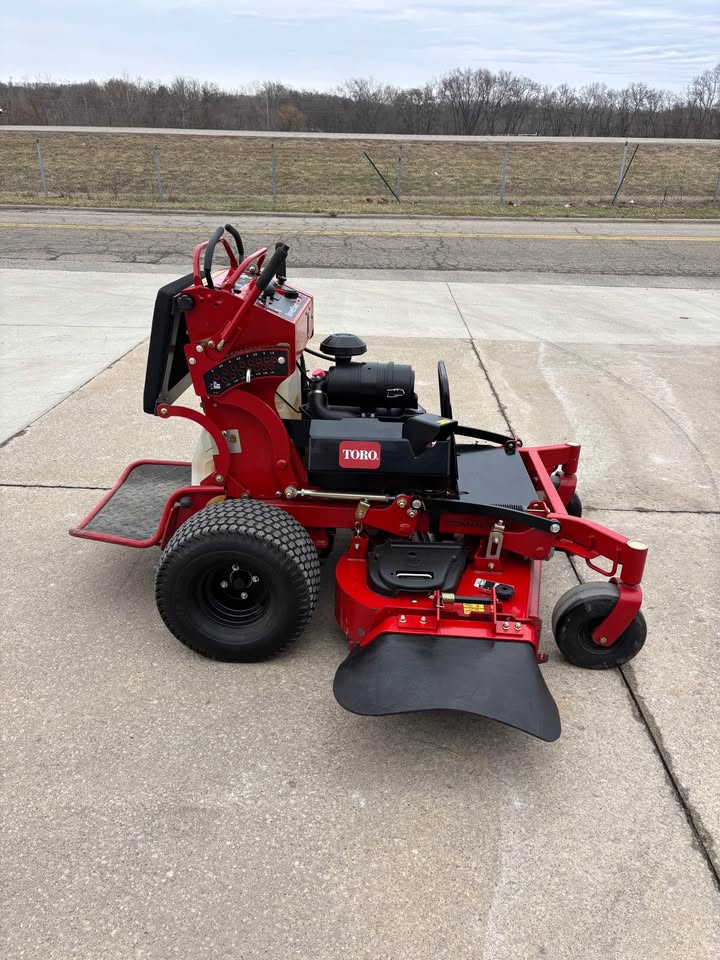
{"type": "Point", "coordinates": [439, 505]}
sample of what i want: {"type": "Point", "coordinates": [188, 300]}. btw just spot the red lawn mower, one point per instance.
{"type": "Point", "coordinates": [438, 588]}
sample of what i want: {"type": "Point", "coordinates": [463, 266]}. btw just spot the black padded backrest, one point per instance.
{"type": "Point", "coordinates": [167, 374]}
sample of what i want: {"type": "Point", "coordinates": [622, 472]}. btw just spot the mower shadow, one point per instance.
{"type": "Point", "coordinates": [390, 739]}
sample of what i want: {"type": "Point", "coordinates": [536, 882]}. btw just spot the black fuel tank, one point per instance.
{"type": "Point", "coordinates": [366, 454]}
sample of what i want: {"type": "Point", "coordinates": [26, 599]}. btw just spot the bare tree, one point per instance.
{"type": "Point", "coordinates": [624, 111]}
{"type": "Point", "coordinates": [366, 99]}
{"type": "Point", "coordinates": [418, 109]}
{"type": "Point", "coordinates": [522, 97]}
{"type": "Point", "coordinates": [638, 95]}
{"type": "Point", "coordinates": [290, 118]}
{"type": "Point", "coordinates": [655, 103]}
{"type": "Point", "coordinates": [555, 106]}
{"type": "Point", "coordinates": [33, 102]}
{"type": "Point", "coordinates": [464, 101]}
{"type": "Point", "coordinates": [704, 94]}
{"type": "Point", "coordinates": [596, 104]}
{"type": "Point", "coordinates": [467, 94]}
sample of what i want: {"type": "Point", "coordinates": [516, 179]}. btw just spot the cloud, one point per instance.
{"type": "Point", "coordinates": [321, 42]}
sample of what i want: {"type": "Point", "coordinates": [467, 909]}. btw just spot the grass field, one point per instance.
{"type": "Point", "coordinates": [327, 176]}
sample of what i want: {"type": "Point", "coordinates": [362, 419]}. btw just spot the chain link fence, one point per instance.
{"type": "Point", "coordinates": [338, 175]}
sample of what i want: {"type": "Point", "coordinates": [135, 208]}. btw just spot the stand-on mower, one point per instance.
{"type": "Point", "coordinates": [438, 589]}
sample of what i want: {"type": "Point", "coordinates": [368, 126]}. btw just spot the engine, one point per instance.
{"type": "Point", "coordinates": [357, 412]}
{"type": "Point", "coordinates": [360, 389]}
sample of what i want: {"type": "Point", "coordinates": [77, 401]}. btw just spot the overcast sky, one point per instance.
{"type": "Point", "coordinates": [319, 43]}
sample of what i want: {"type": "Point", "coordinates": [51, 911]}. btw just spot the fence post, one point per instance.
{"type": "Point", "coordinates": [625, 173]}
{"type": "Point", "coordinates": [717, 191]}
{"type": "Point", "coordinates": [398, 173]}
{"type": "Point", "coordinates": [503, 178]}
{"type": "Point", "coordinates": [41, 166]}
{"type": "Point", "coordinates": [621, 174]}
{"type": "Point", "coordinates": [273, 171]}
{"type": "Point", "coordinates": [374, 166]}
{"type": "Point", "coordinates": [158, 178]}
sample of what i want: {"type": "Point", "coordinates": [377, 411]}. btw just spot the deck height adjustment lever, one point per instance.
{"type": "Point", "coordinates": [495, 540]}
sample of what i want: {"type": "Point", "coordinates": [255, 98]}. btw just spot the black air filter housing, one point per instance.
{"type": "Point", "coordinates": [371, 386]}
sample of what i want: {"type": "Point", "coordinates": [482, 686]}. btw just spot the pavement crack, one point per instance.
{"type": "Point", "coordinates": [28, 426]}
{"type": "Point", "coordinates": [699, 513]}
{"type": "Point", "coordinates": [51, 486]}
{"type": "Point", "coordinates": [500, 405]}
{"type": "Point", "coordinates": [438, 746]}
{"type": "Point", "coordinates": [702, 838]}
{"type": "Point", "coordinates": [694, 306]}
{"type": "Point", "coordinates": [653, 403]}
{"type": "Point", "coordinates": [604, 371]}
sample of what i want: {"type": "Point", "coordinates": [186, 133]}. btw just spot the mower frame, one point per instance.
{"type": "Point", "coordinates": [575, 536]}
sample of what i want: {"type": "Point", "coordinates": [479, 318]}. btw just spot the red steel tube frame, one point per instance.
{"type": "Point", "coordinates": [222, 458]}
{"type": "Point", "coordinates": [577, 536]}
{"type": "Point", "coordinates": [589, 540]}
{"type": "Point", "coordinates": [233, 274]}
{"type": "Point", "coordinates": [197, 276]}
{"type": "Point", "coordinates": [249, 296]}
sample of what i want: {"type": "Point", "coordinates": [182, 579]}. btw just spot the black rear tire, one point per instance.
{"type": "Point", "coordinates": [238, 581]}
{"type": "Point", "coordinates": [325, 552]}
{"type": "Point", "coordinates": [576, 615]}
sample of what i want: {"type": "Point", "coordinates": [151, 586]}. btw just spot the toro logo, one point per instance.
{"type": "Point", "coordinates": [359, 456]}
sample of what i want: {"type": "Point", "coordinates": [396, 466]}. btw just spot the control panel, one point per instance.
{"type": "Point", "coordinates": [284, 301]}
{"type": "Point", "coordinates": [245, 367]}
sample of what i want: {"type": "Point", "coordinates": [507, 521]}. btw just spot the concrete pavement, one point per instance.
{"type": "Point", "coordinates": [58, 332]}
{"type": "Point", "coordinates": [82, 321]}
{"type": "Point", "coordinates": [158, 805]}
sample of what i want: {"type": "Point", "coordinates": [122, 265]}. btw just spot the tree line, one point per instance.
{"type": "Point", "coordinates": [463, 101]}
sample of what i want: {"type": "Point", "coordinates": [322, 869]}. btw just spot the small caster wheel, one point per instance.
{"type": "Point", "coordinates": [576, 615]}
{"type": "Point", "coordinates": [574, 504]}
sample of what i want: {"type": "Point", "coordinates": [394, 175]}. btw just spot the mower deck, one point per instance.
{"type": "Point", "coordinates": [134, 507]}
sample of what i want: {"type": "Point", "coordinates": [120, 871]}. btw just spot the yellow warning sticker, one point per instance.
{"type": "Point", "coordinates": [474, 608]}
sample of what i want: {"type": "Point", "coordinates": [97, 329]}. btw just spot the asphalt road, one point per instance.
{"type": "Point", "coordinates": [91, 239]}
{"type": "Point", "coordinates": [304, 135]}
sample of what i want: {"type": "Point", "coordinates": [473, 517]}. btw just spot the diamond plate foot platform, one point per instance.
{"type": "Point", "coordinates": [132, 510]}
